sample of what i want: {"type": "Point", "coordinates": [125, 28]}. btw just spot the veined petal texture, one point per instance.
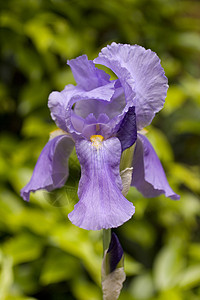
{"type": "Point", "coordinates": [148, 174]}
{"type": "Point", "coordinates": [51, 170]}
{"type": "Point", "coordinates": [101, 203]}
{"type": "Point", "coordinates": [141, 75]}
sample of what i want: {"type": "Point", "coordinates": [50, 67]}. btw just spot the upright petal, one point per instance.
{"type": "Point", "coordinates": [87, 102]}
{"type": "Point", "coordinates": [87, 76]}
{"type": "Point", "coordinates": [58, 102]}
{"type": "Point", "coordinates": [112, 107]}
{"type": "Point", "coordinates": [101, 203]}
{"type": "Point", "coordinates": [141, 75]}
{"type": "Point", "coordinates": [148, 174]}
{"type": "Point", "coordinates": [51, 170]}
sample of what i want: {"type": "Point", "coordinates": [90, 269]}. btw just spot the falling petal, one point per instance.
{"type": "Point", "coordinates": [148, 174]}
{"type": "Point", "coordinates": [51, 170]}
{"type": "Point", "coordinates": [101, 203]}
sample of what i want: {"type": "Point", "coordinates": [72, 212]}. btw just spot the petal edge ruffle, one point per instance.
{"type": "Point", "coordinates": [141, 75]}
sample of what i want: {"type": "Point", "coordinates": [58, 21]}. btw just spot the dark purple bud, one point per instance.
{"type": "Point", "coordinates": [127, 133]}
{"type": "Point", "coordinates": [114, 253]}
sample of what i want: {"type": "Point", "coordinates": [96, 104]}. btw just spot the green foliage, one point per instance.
{"type": "Point", "coordinates": [44, 256]}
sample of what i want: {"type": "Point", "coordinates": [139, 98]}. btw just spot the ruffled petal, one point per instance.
{"type": "Point", "coordinates": [148, 174]}
{"type": "Point", "coordinates": [87, 76]}
{"type": "Point", "coordinates": [141, 75]}
{"type": "Point", "coordinates": [101, 203]}
{"type": "Point", "coordinates": [51, 170]}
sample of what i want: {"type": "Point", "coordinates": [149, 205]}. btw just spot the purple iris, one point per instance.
{"type": "Point", "coordinates": [101, 118]}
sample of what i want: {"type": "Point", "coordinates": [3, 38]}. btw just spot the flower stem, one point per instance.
{"type": "Point", "coordinates": [106, 239]}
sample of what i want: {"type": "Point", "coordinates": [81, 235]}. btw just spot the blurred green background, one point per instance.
{"type": "Point", "coordinates": [42, 255]}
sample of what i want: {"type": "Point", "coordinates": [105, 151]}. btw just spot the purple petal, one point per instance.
{"type": "Point", "coordinates": [112, 107]}
{"type": "Point", "coordinates": [87, 76]}
{"type": "Point", "coordinates": [95, 126]}
{"type": "Point", "coordinates": [58, 102]}
{"type": "Point", "coordinates": [141, 75]}
{"type": "Point", "coordinates": [87, 102]}
{"type": "Point", "coordinates": [88, 106]}
{"type": "Point", "coordinates": [51, 170]}
{"type": "Point", "coordinates": [101, 203]}
{"type": "Point", "coordinates": [127, 133]}
{"type": "Point", "coordinates": [148, 174]}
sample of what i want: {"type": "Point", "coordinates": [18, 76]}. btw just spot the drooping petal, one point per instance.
{"type": "Point", "coordinates": [101, 203]}
{"type": "Point", "coordinates": [51, 170]}
{"type": "Point", "coordinates": [148, 174]}
{"type": "Point", "coordinates": [141, 75]}
{"type": "Point", "coordinates": [127, 134]}
{"type": "Point", "coordinates": [87, 76]}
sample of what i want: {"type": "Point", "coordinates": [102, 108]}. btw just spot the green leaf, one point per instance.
{"type": "Point", "coordinates": [187, 175]}
{"type": "Point", "coordinates": [58, 266]}
{"type": "Point", "coordinates": [131, 266]}
{"type": "Point", "coordinates": [137, 287]}
{"type": "Point", "coordinates": [168, 265]}
{"type": "Point", "coordinates": [82, 244]}
{"type": "Point", "coordinates": [6, 275]}
{"type": "Point", "coordinates": [85, 290]}
{"type": "Point", "coordinates": [190, 277]}
{"type": "Point", "coordinates": [174, 100]}
{"type": "Point", "coordinates": [23, 248]}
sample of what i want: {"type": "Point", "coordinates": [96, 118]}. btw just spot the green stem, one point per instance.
{"type": "Point", "coordinates": [106, 239]}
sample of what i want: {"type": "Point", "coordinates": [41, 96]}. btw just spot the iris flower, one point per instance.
{"type": "Point", "coordinates": [101, 117]}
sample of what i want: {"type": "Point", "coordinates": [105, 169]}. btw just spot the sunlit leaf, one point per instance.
{"type": "Point", "coordinates": [22, 248]}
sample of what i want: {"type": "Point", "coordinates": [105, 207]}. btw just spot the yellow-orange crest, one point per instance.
{"type": "Point", "coordinates": [97, 140]}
